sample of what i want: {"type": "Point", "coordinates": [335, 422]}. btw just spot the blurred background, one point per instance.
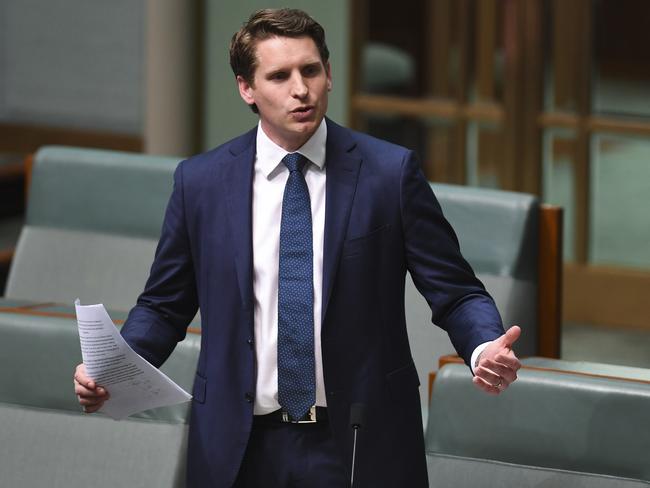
{"type": "Point", "coordinates": [548, 97]}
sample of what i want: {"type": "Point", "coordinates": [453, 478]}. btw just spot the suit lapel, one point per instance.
{"type": "Point", "coordinates": [238, 188]}
{"type": "Point", "coordinates": [342, 167]}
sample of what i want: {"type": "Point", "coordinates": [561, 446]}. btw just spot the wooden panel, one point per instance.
{"type": "Point", "coordinates": [439, 38]}
{"type": "Point", "coordinates": [416, 107]}
{"type": "Point", "coordinates": [513, 95]}
{"type": "Point", "coordinates": [606, 296]}
{"type": "Point", "coordinates": [530, 177]}
{"type": "Point", "coordinates": [486, 40]}
{"type": "Point", "coordinates": [549, 303]}
{"type": "Point", "coordinates": [28, 165]}
{"type": "Point", "coordinates": [358, 32]}
{"type": "Point", "coordinates": [6, 255]}
{"type": "Point", "coordinates": [596, 123]}
{"type": "Point", "coordinates": [567, 51]}
{"type": "Point", "coordinates": [17, 138]}
{"type": "Point", "coordinates": [583, 145]}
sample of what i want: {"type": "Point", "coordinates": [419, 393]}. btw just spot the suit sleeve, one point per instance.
{"type": "Point", "coordinates": [169, 301]}
{"type": "Point", "coordinates": [458, 300]}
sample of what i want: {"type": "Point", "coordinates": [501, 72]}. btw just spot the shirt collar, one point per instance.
{"type": "Point", "coordinates": [269, 154]}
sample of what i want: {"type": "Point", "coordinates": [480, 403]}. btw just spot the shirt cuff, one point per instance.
{"type": "Point", "coordinates": [476, 353]}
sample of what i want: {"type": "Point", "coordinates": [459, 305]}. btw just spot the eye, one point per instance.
{"type": "Point", "coordinates": [278, 76]}
{"type": "Point", "coordinates": [311, 70]}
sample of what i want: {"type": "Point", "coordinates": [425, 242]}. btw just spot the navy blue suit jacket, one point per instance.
{"type": "Point", "coordinates": [381, 220]}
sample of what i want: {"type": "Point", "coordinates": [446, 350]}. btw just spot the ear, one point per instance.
{"type": "Point", "coordinates": [245, 90]}
{"type": "Point", "coordinates": [328, 71]}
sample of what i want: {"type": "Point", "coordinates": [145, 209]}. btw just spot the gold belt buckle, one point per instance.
{"type": "Point", "coordinates": [311, 417]}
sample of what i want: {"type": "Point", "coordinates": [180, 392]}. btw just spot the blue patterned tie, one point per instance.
{"type": "Point", "coordinates": [296, 369]}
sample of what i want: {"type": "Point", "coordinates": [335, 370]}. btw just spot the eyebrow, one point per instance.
{"type": "Point", "coordinates": [281, 69]}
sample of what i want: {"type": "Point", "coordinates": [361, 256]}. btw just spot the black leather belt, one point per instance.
{"type": "Point", "coordinates": [313, 416]}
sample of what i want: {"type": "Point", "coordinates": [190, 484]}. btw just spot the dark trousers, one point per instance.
{"type": "Point", "coordinates": [281, 455]}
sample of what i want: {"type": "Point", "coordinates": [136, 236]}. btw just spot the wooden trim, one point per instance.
{"type": "Point", "coordinates": [595, 123]}
{"type": "Point", "coordinates": [459, 132]}
{"type": "Point", "coordinates": [12, 170]}
{"type": "Point", "coordinates": [423, 107]}
{"type": "Point", "coordinates": [484, 112]}
{"type": "Point", "coordinates": [607, 296]}
{"type": "Point", "coordinates": [564, 120]}
{"type": "Point", "coordinates": [439, 46]}
{"type": "Point", "coordinates": [486, 41]}
{"type": "Point", "coordinates": [442, 361]}
{"type": "Point", "coordinates": [33, 310]}
{"type": "Point", "coordinates": [513, 95]}
{"type": "Point", "coordinates": [23, 138]}
{"type": "Point", "coordinates": [6, 255]}
{"type": "Point", "coordinates": [530, 177]}
{"type": "Point", "coordinates": [358, 32]}
{"type": "Point", "coordinates": [549, 291]}
{"type": "Point", "coordinates": [621, 126]}
{"type": "Point", "coordinates": [583, 146]}
{"type": "Point", "coordinates": [28, 165]}
{"type": "Point", "coordinates": [198, 98]}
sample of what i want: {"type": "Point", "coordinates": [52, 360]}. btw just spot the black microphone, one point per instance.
{"type": "Point", "coordinates": [357, 413]}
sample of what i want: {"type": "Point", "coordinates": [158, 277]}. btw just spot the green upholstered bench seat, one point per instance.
{"type": "Point", "coordinates": [447, 471]}
{"type": "Point", "coordinates": [45, 350]}
{"type": "Point", "coordinates": [549, 420]}
{"type": "Point", "coordinates": [586, 367]}
{"type": "Point", "coordinates": [91, 229]}
{"type": "Point", "coordinates": [48, 441]}
{"type": "Point", "coordinates": [58, 448]}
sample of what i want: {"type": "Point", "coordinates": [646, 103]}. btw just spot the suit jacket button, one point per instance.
{"type": "Point", "coordinates": [250, 342]}
{"type": "Point", "coordinates": [249, 397]}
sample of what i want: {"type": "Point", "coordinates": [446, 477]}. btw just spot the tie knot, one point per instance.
{"type": "Point", "coordinates": [294, 161]}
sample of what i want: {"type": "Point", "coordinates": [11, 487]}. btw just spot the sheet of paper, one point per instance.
{"type": "Point", "coordinates": [133, 383]}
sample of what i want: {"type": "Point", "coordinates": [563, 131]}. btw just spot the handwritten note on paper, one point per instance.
{"type": "Point", "coordinates": [133, 383]}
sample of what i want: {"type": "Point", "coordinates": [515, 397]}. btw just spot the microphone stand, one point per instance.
{"type": "Point", "coordinates": [357, 411]}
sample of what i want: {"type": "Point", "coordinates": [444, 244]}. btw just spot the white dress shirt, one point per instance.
{"type": "Point", "coordinates": [269, 180]}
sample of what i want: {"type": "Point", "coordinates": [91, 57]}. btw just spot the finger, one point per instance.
{"type": "Point", "coordinates": [509, 359]}
{"type": "Point", "coordinates": [485, 386]}
{"type": "Point", "coordinates": [92, 408]}
{"type": "Point", "coordinates": [489, 376]}
{"type": "Point", "coordinates": [502, 371]}
{"type": "Point", "coordinates": [511, 336]}
{"type": "Point", "coordinates": [90, 401]}
{"type": "Point", "coordinates": [81, 390]}
{"type": "Point", "coordinates": [81, 377]}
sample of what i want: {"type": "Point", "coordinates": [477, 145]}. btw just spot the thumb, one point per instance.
{"type": "Point", "coordinates": [511, 336]}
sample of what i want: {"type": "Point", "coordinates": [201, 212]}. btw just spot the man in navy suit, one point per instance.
{"type": "Point", "coordinates": [373, 218]}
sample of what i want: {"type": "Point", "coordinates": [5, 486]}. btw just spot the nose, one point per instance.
{"type": "Point", "coordinates": [299, 88]}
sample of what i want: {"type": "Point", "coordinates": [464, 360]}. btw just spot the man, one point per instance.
{"type": "Point", "coordinates": [294, 240]}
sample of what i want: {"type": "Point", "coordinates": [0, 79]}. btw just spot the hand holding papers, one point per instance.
{"type": "Point", "coordinates": [133, 383]}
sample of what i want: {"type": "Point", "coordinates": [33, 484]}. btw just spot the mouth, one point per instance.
{"type": "Point", "coordinates": [303, 110]}
{"type": "Point", "coordinates": [303, 114]}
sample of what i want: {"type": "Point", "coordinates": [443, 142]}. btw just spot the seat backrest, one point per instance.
{"type": "Point", "coordinates": [498, 235]}
{"type": "Point", "coordinates": [48, 441]}
{"type": "Point", "coordinates": [92, 224]}
{"type": "Point", "coordinates": [549, 419]}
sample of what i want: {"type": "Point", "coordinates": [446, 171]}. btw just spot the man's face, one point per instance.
{"type": "Point", "coordinates": [289, 88]}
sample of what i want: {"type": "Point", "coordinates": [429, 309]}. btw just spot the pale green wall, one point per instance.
{"type": "Point", "coordinates": [226, 115]}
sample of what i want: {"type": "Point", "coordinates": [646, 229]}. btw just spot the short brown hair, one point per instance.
{"type": "Point", "coordinates": [267, 23]}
